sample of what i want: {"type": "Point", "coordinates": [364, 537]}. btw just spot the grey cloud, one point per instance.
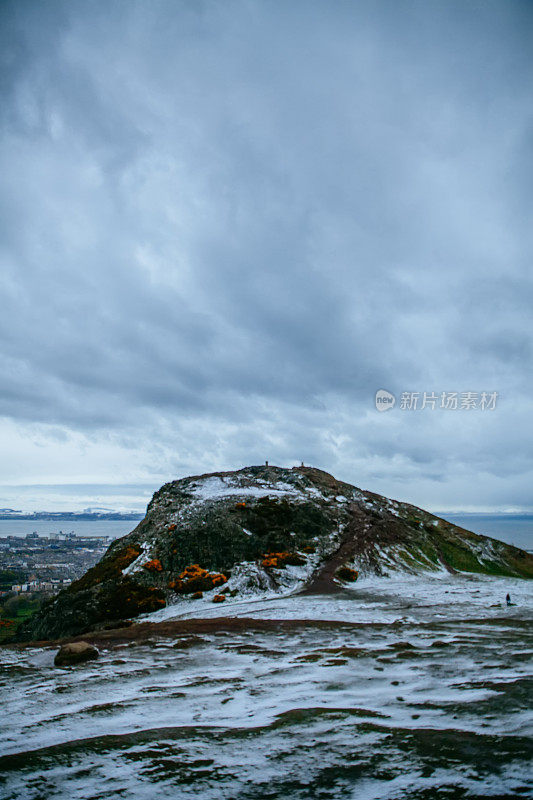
{"type": "Point", "coordinates": [225, 225]}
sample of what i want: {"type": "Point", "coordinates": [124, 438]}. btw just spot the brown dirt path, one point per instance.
{"type": "Point", "coordinates": [323, 580]}
{"type": "Point", "coordinates": [146, 631]}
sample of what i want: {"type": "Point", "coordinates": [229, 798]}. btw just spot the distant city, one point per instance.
{"type": "Point", "coordinates": [45, 563]}
{"type": "Point", "coordinates": [87, 513]}
{"type": "Point", "coordinates": [37, 563]}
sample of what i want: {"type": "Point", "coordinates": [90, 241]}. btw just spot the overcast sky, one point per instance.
{"type": "Point", "coordinates": [225, 225]}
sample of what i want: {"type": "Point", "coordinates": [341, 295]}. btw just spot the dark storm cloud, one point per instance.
{"type": "Point", "coordinates": [225, 225]}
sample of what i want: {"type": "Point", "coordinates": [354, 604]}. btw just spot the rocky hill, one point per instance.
{"type": "Point", "coordinates": [261, 530]}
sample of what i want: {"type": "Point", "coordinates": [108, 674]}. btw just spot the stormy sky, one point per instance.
{"type": "Point", "coordinates": [225, 225]}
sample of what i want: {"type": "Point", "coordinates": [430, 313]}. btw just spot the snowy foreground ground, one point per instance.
{"type": "Point", "coordinates": [415, 688]}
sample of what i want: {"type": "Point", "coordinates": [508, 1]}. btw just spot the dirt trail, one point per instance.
{"type": "Point", "coordinates": [323, 580]}
{"type": "Point", "coordinates": [149, 631]}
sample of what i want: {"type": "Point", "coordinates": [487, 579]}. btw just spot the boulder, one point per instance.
{"type": "Point", "coordinates": [75, 653]}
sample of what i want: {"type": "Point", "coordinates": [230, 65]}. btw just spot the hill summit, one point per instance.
{"type": "Point", "coordinates": [259, 530]}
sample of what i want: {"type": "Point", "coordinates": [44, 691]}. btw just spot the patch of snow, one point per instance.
{"type": "Point", "coordinates": [214, 488]}
{"type": "Point", "coordinates": [314, 492]}
{"type": "Point", "coordinates": [376, 600]}
{"type": "Point", "coordinates": [136, 565]}
{"type": "Point", "coordinates": [251, 581]}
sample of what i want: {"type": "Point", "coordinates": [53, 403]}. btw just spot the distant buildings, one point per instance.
{"type": "Point", "coordinates": [48, 563]}
{"type": "Point", "coordinates": [41, 586]}
{"type": "Point", "coordinates": [71, 537]}
{"type": "Point", "coordinates": [12, 514]}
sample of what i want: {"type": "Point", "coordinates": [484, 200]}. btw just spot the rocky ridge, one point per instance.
{"type": "Point", "coordinates": [262, 530]}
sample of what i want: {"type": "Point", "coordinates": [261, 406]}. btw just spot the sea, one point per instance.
{"type": "Point", "coordinates": [515, 529]}
{"type": "Point", "coordinates": [113, 528]}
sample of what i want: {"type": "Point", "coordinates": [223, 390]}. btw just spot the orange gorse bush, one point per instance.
{"type": "Point", "coordinates": [127, 556]}
{"type": "Point", "coordinates": [153, 566]}
{"type": "Point", "coordinates": [280, 560]}
{"type": "Point", "coordinates": [195, 578]}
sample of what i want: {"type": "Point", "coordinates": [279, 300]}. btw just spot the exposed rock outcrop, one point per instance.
{"type": "Point", "coordinates": [263, 529]}
{"type": "Point", "coordinates": [75, 653]}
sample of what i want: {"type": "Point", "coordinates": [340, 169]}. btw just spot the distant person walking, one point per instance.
{"type": "Point", "coordinates": [508, 599]}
